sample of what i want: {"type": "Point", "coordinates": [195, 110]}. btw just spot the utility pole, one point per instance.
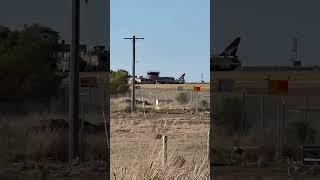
{"type": "Point", "coordinates": [74, 84]}
{"type": "Point", "coordinates": [134, 38]}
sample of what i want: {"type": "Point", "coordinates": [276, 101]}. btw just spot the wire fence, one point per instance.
{"type": "Point", "coordinates": [275, 114]}
{"type": "Point", "coordinates": [151, 95]}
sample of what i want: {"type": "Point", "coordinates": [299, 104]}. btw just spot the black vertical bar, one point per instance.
{"type": "Point", "coordinates": [133, 74]}
{"type": "Point", "coordinates": [107, 90]}
{"type": "Point", "coordinates": [74, 83]}
{"type": "Point", "coordinates": [107, 114]}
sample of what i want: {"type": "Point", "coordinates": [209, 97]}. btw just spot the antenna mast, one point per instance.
{"type": "Point", "coordinates": [295, 53]}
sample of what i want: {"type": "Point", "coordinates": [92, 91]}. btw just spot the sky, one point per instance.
{"type": "Point", "coordinates": [176, 32]}
{"type": "Point", "coordinates": [95, 25]}
{"type": "Point", "coordinates": [266, 28]}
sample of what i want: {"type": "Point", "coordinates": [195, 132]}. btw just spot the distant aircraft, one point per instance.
{"type": "Point", "coordinates": [180, 80]}
{"type": "Point", "coordinates": [154, 78]}
{"type": "Point", "coordinates": [232, 49]}
{"type": "Point", "coordinates": [228, 59]}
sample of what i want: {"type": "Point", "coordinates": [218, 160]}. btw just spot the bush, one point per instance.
{"type": "Point", "coordinates": [300, 132]}
{"type": "Point", "coordinates": [229, 115]}
{"type": "Point", "coordinates": [119, 82]}
{"type": "Point", "coordinates": [182, 98]}
{"type": "Point", "coordinates": [28, 63]}
{"type": "Point", "coordinates": [204, 104]}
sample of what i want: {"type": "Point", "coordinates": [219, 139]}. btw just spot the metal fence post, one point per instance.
{"type": "Point", "coordinates": [164, 151]}
{"type": "Point", "coordinates": [261, 111]}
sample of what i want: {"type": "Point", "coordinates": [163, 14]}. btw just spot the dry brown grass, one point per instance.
{"type": "Point", "coordinates": [19, 142]}
{"type": "Point", "coordinates": [135, 148]}
{"type": "Point", "coordinates": [204, 87]}
{"type": "Point", "coordinates": [119, 105]}
{"type": "Point", "coordinates": [151, 167]}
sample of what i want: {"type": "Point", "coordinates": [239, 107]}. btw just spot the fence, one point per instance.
{"type": "Point", "coordinates": [275, 114]}
{"type": "Point", "coordinates": [151, 95]}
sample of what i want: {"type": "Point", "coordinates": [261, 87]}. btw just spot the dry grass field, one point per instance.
{"type": "Point", "coordinates": [168, 87]}
{"type": "Point", "coordinates": [35, 146]}
{"type": "Point", "coordinates": [32, 151]}
{"type": "Point", "coordinates": [135, 144]}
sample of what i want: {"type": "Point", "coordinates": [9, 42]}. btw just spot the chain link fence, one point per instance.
{"type": "Point", "coordinates": [168, 96]}
{"type": "Point", "coordinates": [277, 115]}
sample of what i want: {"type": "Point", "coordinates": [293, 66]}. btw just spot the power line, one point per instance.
{"type": "Point", "coordinates": [134, 38]}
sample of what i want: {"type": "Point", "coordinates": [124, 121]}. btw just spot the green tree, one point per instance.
{"type": "Point", "coordinates": [119, 81]}
{"type": "Point", "coordinates": [28, 62]}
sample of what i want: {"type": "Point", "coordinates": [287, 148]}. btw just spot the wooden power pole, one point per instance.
{"type": "Point", "coordinates": [74, 83]}
{"type": "Point", "coordinates": [133, 99]}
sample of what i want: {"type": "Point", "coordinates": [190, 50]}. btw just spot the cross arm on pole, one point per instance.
{"type": "Point", "coordinates": [133, 38]}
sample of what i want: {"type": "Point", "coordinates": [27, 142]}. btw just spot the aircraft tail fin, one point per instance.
{"type": "Point", "coordinates": [182, 76]}
{"type": "Point", "coordinates": [232, 49]}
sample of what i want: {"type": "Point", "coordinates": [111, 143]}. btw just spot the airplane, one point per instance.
{"type": "Point", "coordinates": [228, 59]}
{"type": "Point", "coordinates": [180, 80]}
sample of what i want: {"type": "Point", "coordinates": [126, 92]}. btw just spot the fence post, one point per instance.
{"type": "Point", "coordinates": [261, 111]}
{"type": "Point", "coordinates": [196, 103]}
{"type": "Point", "coordinates": [144, 111]}
{"type": "Point", "coordinates": [278, 133]}
{"type": "Point", "coordinates": [208, 144]}
{"type": "Point", "coordinates": [105, 130]}
{"type": "Point", "coordinates": [164, 151]}
{"type": "Point", "coordinates": [243, 113]}
{"type": "Point", "coordinates": [82, 133]}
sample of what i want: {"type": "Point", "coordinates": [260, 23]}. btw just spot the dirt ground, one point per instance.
{"type": "Point", "coordinates": [133, 136]}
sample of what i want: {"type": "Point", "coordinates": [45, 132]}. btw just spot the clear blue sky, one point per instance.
{"type": "Point", "coordinates": [266, 28]}
{"type": "Point", "coordinates": [57, 15]}
{"type": "Point", "coordinates": [176, 32]}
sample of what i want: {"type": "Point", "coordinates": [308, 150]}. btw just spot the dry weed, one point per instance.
{"type": "Point", "coordinates": [151, 167]}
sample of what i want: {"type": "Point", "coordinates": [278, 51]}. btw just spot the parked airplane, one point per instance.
{"type": "Point", "coordinates": [228, 59]}
{"type": "Point", "coordinates": [154, 78]}
{"type": "Point", "coordinates": [180, 80]}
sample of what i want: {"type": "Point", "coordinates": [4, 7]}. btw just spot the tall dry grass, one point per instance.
{"type": "Point", "coordinates": [119, 105]}
{"type": "Point", "coordinates": [20, 142]}
{"type": "Point", "coordinates": [151, 168]}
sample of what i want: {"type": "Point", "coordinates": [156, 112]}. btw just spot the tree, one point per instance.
{"type": "Point", "coordinates": [119, 81]}
{"type": "Point", "coordinates": [28, 62]}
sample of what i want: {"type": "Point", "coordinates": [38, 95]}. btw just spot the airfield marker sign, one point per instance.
{"type": "Point", "coordinates": [278, 87]}
{"type": "Point", "coordinates": [196, 88]}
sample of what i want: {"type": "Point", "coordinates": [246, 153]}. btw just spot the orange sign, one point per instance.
{"type": "Point", "coordinates": [278, 87]}
{"type": "Point", "coordinates": [196, 88]}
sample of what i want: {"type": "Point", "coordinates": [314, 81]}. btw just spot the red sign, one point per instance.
{"type": "Point", "coordinates": [279, 87]}
{"type": "Point", "coordinates": [196, 88]}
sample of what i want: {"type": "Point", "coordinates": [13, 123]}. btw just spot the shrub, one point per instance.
{"type": "Point", "coordinates": [300, 132]}
{"type": "Point", "coordinates": [119, 82]}
{"type": "Point", "coordinates": [182, 98]}
{"type": "Point", "coordinates": [204, 104]}
{"type": "Point", "coordinates": [229, 115]}
{"type": "Point", "coordinates": [28, 63]}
